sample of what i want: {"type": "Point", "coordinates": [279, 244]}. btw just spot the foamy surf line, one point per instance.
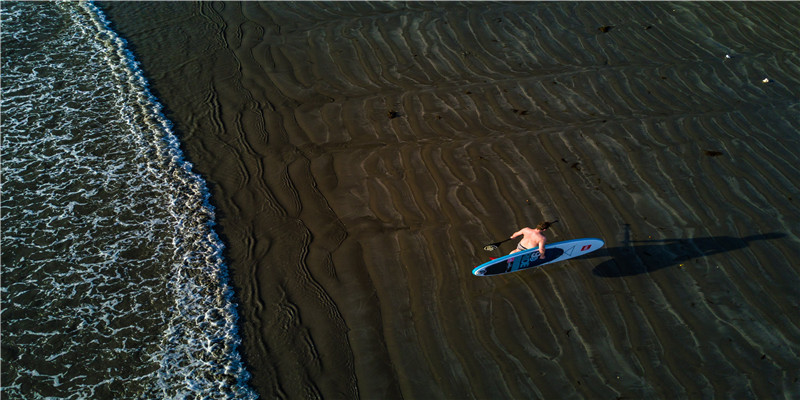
{"type": "Point", "coordinates": [114, 282]}
{"type": "Point", "coordinates": [204, 317]}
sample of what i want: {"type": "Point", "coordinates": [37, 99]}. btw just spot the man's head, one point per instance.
{"type": "Point", "coordinates": [544, 225]}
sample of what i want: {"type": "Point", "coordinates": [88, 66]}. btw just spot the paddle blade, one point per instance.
{"type": "Point", "coordinates": [490, 247]}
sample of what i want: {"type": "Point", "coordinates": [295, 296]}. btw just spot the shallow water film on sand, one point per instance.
{"type": "Point", "coordinates": [360, 155]}
{"type": "Point", "coordinates": [112, 280]}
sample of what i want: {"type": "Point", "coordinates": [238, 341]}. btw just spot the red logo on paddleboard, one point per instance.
{"type": "Point", "coordinates": [587, 247]}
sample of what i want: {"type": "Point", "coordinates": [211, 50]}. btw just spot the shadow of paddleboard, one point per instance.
{"type": "Point", "coordinates": [645, 256]}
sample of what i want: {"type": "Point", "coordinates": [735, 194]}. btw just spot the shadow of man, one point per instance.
{"type": "Point", "coordinates": [645, 256]}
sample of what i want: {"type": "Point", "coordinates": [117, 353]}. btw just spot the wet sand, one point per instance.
{"type": "Point", "coordinates": [361, 154]}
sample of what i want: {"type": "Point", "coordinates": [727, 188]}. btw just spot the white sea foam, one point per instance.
{"type": "Point", "coordinates": [113, 278]}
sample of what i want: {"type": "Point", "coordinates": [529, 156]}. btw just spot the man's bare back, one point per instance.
{"type": "Point", "coordinates": [532, 238]}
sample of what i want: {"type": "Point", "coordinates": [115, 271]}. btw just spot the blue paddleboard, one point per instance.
{"type": "Point", "coordinates": [530, 258]}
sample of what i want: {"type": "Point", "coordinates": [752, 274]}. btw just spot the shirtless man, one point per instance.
{"type": "Point", "coordinates": [532, 238]}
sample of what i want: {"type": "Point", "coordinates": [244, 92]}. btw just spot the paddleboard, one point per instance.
{"type": "Point", "coordinates": [527, 259]}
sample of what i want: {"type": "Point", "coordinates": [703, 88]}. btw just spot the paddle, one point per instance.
{"type": "Point", "coordinates": [490, 247]}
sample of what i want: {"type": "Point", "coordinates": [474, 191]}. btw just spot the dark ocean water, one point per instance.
{"type": "Point", "coordinates": [113, 284]}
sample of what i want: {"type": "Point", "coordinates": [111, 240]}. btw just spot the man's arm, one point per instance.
{"type": "Point", "coordinates": [541, 249]}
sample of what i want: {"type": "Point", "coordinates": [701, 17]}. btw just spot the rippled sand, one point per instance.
{"type": "Point", "coordinates": [361, 154]}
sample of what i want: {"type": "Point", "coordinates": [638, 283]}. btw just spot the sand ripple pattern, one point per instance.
{"type": "Point", "coordinates": [364, 152]}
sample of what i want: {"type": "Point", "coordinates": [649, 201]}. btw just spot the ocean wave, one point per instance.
{"type": "Point", "coordinates": [113, 277]}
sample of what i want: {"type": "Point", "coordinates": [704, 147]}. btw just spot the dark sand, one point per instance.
{"type": "Point", "coordinates": [361, 154]}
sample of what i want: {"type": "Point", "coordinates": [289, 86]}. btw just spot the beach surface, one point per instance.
{"type": "Point", "coordinates": [360, 155]}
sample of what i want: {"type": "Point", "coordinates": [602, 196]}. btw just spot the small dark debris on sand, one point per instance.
{"type": "Point", "coordinates": [713, 153]}
{"type": "Point", "coordinates": [605, 28]}
{"type": "Point", "coordinates": [393, 114]}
